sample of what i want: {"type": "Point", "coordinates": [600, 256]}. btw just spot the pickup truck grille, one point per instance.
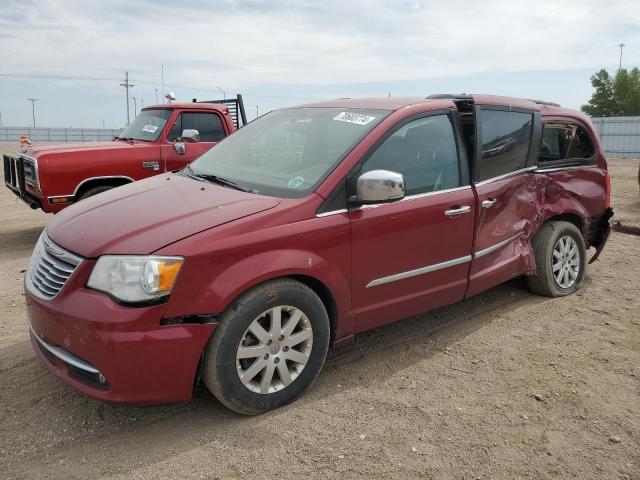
{"type": "Point", "coordinates": [50, 268]}
{"type": "Point", "coordinates": [30, 169]}
{"type": "Point", "coordinates": [13, 173]}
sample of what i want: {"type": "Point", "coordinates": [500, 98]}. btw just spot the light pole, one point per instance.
{"type": "Point", "coordinates": [156, 95]}
{"type": "Point", "coordinates": [622, 45]}
{"type": "Point", "coordinates": [224, 96]}
{"type": "Point", "coordinates": [141, 103]}
{"type": "Point", "coordinates": [33, 109]}
{"type": "Point", "coordinates": [135, 107]}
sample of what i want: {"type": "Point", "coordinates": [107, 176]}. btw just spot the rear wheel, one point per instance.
{"type": "Point", "coordinates": [560, 254]}
{"type": "Point", "coordinates": [268, 348]}
{"type": "Point", "coordinates": [94, 191]}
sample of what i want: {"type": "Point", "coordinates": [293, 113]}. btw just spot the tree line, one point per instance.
{"type": "Point", "coordinates": [617, 95]}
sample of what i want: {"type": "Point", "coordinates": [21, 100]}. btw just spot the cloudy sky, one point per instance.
{"type": "Point", "coordinates": [72, 55]}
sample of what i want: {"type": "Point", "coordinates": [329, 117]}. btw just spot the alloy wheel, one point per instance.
{"type": "Point", "coordinates": [566, 261]}
{"type": "Point", "coordinates": [274, 349]}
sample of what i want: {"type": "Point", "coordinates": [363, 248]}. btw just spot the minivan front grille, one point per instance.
{"type": "Point", "coordinates": [50, 268]}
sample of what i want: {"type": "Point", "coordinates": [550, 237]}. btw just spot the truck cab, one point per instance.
{"type": "Point", "coordinates": [160, 139]}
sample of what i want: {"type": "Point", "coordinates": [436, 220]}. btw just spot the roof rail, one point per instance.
{"type": "Point", "coordinates": [543, 102]}
{"type": "Point", "coordinates": [459, 96]}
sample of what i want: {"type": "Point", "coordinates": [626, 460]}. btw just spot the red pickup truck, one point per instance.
{"type": "Point", "coordinates": [161, 138]}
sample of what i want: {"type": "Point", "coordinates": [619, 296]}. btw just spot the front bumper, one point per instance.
{"type": "Point", "coordinates": [114, 353]}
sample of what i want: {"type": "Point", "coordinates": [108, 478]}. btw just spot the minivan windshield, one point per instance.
{"type": "Point", "coordinates": [287, 153]}
{"type": "Point", "coordinates": [147, 126]}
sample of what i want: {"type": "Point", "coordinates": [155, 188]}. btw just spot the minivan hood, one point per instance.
{"type": "Point", "coordinates": [143, 216]}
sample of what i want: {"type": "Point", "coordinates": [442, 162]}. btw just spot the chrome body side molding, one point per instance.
{"type": "Point", "coordinates": [419, 271]}
{"type": "Point", "coordinates": [497, 246]}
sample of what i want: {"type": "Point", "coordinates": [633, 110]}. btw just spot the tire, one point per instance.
{"type": "Point", "coordinates": [222, 368]}
{"type": "Point", "coordinates": [548, 248]}
{"type": "Point", "coordinates": [94, 191]}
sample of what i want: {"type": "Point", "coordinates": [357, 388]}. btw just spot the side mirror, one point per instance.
{"type": "Point", "coordinates": [180, 148]}
{"type": "Point", "coordinates": [190, 135]}
{"type": "Point", "coordinates": [379, 186]}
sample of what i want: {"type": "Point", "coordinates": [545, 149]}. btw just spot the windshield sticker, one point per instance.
{"type": "Point", "coordinates": [354, 118]}
{"type": "Point", "coordinates": [149, 128]}
{"type": "Point", "coordinates": [295, 182]}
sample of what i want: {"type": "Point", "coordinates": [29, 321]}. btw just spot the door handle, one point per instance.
{"type": "Point", "coordinates": [454, 212]}
{"type": "Point", "coordinates": [488, 203]}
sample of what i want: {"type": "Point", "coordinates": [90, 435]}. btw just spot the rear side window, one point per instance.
{"type": "Point", "coordinates": [208, 125]}
{"type": "Point", "coordinates": [565, 141]}
{"type": "Point", "coordinates": [424, 151]}
{"type": "Point", "coordinates": [506, 137]}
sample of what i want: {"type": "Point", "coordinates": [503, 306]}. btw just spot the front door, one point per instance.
{"type": "Point", "coordinates": [210, 128]}
{"type": "Point", "coordinates": [506, 191]}
{"type": "Point", "coordinates": [413, 255]}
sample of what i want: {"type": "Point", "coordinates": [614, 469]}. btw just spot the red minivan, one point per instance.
{"type": "Point", "coordinates": [305, 227]}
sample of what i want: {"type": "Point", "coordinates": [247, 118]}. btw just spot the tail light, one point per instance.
{"type": "Point", "coordinates": [608, 188]}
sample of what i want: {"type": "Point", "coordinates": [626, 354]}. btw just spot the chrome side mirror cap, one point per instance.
{"type": "Point", "coordinates": [379, 186]}
{"type": "Point", "coordinates": [190, 135]}
{"type": "Point", "coordinates": [180, 148]}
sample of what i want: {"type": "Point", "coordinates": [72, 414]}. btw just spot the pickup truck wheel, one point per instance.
{"type": "Point", "coordinates": [94, 191]}
{"type": "Point", "coordinates": [269, 346]}
{"type": "Point", "coordinates": [560, 254]}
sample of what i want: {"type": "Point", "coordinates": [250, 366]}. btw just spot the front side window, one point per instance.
{"type": "Point", "coordinates": [286, 153]}
{"type": "Point", "coordinates": [208, 126]}
{"type": "Point", "coordinates": [565, 141]}
{"type": "Point", "coordinates": [424, 151]}
{"type": "Point", "coordinates": [506, 137]}
{"type": "Point", "coordinates": [148, 125]}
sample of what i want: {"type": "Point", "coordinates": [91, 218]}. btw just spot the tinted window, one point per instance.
{"type": "Point", "coordinates": [208, 125]}
{"type": "Point", "coordinates": [565, 141]}
{"type": "Point", "coordinates": [505, 142]}
{"type": "Point", "coordinates": [424, 151]}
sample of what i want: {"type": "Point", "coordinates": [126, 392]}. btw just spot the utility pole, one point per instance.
{"type": "Point", "coordinates": [156, 95]}
{"type": "Point", "coordinates": [135, 107]}
{"type": "Point", "coordinates": [257, 111]}
{"type": "Point", "coordinates": [141, 103]}
{"type": "Point", "coordinates": [622, 45]}
{"type": "Point", "coordinates": [127, 86]}
{"type": "Point", "coordinates": [33, 109]}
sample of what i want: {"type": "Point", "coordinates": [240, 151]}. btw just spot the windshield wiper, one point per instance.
{"type": "Point", "coordinates": [216, 179]}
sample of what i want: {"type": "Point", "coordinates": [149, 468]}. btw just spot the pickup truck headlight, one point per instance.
{"type": "Point", "coordinates": [134, 279]}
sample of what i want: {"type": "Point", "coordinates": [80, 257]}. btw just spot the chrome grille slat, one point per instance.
{"type": "Point", "coordinates": [48, 281]}
{"type": "Point", "coordinates": [50, 268]}
{"type": "Point", "coordinates": [51, 274]}
{"type": "Point", "coordinates": [65, 271]}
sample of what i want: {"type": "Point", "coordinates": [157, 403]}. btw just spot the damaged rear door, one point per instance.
{"type": "Point", "coordinates": [505, 157]}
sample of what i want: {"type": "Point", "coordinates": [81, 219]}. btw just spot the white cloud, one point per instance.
{"type": "Point", "coordinates": [236, 43]}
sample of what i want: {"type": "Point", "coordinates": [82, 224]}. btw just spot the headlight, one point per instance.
{"type": "Point", "coordinates": [135, 279]}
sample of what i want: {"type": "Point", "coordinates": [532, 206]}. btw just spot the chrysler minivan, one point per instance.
{"type": "Point", "coordinates": [305, 227]}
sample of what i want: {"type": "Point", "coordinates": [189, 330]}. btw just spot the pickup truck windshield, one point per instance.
{"type": "Point", "coordinates": [287, 153]}
{"type": "Point", "coordinates": [147, 126]}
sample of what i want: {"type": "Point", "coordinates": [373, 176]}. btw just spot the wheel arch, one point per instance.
{"type": "Point", "coordinates": [92, 182]}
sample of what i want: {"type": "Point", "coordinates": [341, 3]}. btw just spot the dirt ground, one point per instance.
{"type": "Point", "coordinates": [446, 395]}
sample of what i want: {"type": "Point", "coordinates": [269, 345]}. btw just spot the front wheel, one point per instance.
{"type": "Point", "coordinates": [560, 254]}
{"type": "Point", "coordinates": [269, 346]}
